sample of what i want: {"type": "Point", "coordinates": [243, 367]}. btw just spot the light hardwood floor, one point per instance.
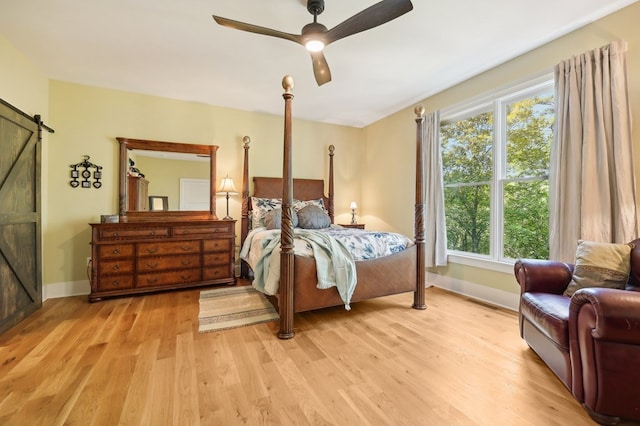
{"type": "Point", "coordinates": [141, 361]}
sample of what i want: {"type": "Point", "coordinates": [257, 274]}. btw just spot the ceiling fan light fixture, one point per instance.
{"type": "Point", "coordinates": [314, 45]}
{"type": "Point", "coordinates": [313, 36]}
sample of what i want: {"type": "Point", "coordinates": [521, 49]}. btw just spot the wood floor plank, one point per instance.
{"type": "Point", "coordinates": [162, 393]}
{"type": "Point", "coordinates": [137, 401]}
{"type": "Point", "coordinates": [186, 411]}
{"type": "Point", "coordinates": [141, 361]}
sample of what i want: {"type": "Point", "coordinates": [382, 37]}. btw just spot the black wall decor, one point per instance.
{"type": "Point", "coordinates": [81, 174]}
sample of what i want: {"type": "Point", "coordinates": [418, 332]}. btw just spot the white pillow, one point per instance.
{"type": "Point", "coordinates": [600, 265]}
{"type": "Point", "coordinates": [299, 204]}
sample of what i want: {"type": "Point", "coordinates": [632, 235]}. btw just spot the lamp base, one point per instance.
{"type": "Point", "coordinates": [227, 218]}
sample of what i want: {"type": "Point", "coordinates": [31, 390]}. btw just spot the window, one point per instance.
{"type": "Point", "coordinates": [495, 159]}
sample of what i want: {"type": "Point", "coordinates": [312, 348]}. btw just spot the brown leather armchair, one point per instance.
{"type": "Point", "coordinates": [591, 341]}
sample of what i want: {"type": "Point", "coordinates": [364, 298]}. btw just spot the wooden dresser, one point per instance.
{"type": "Point", "coordinates": [139, 257]}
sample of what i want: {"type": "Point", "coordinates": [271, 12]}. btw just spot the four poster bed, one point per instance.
{"type": "Point", "coordinates": [401, 271]}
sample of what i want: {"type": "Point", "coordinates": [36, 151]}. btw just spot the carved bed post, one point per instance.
{"type": "Point", "coordinates": [418, 295]}
{"type": "Point", "coordinates": [331, 206]}
{"type": "Point", "coordinates": [244, 230]}
{"type": "Point", "coordinates": [285, 304]}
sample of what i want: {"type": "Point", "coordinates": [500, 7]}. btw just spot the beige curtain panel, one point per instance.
{"type": "Point", "coordinates": [436, 227]}
{"type": "Point", "coordinates": [592, 182]}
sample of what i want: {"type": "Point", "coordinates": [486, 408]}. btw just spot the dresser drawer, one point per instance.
{"type": "Point", "coordinates": [115, 282]}
{"type": "Point", "coordinates": [107, 251]}
{"type": "Point", "coordinates": [213, 229]}
{"type": "Point", "coordinates": [214, 259]}
{"type": "Point", "coordinates": [130, 232]}
{"type": "Point", "coordinates": [173, 247]}
{"type": "Point", "coordinates": [116, 266]}
{"type": "Point", "coordinates": [150, 264]}
{"type": "Point", "coordinates": [168, 278]}
{"type": "Point", "coordinates": [216, 273]}
{"type": "Point", "coordinates": [218, 244]}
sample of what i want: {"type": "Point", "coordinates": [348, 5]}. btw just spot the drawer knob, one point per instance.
{"type": "Point", "coordinates": [152, 250]}
{"type": "Point", "coordinates": [185, 248]}
{"type": "Point", "coordinates": [186, 262]}
{"type": "Point", "coordinates": [116, 267]}
{"type": "Point", "coordinates": [115, 234]}
{"type": "Point", "coordinates": [116, 251]}
{"type": "Point", "coordinates": [116, 283]}
{"type": "Point", "coordinates": [152, 265]}
{"type": "Point", "coordinates": [153, 232]}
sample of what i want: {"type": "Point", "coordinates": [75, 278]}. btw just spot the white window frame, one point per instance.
{"type": "Point", "coordinates": [495, 102]}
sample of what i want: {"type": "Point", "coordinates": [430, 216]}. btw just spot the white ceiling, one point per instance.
{"type": "Point", "coordinates": [174, 49]}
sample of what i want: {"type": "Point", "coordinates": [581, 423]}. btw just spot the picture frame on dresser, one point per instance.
{"type": "Point", "coordinates": [158, 203]}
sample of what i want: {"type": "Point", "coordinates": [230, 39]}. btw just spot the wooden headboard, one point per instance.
{"type": "Point", "coordinates": [303, 189]}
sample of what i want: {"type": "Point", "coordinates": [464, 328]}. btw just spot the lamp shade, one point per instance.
{"type": "Point", "coordinates": [353, 205]}
{"type": "Point", "coordinates": [226, 185]}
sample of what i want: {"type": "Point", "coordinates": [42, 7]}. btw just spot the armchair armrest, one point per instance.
{"type": "Point", "coordinates": [617, 313]}
{"type": "Point", "coordinates": [542, 276]}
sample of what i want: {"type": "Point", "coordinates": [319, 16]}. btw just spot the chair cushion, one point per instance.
{"type": "Point", "coordinates": [600, 265]}
{"type": "Point", "coordinates": [550, 314]}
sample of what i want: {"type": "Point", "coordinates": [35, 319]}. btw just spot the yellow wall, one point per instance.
{"type": "Point", "coordinates": [395, 134]}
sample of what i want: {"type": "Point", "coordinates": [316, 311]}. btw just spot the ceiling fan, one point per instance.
{"type": "Point", "coordinates": [315, 36]}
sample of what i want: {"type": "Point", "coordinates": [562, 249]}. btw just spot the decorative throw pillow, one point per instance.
{"type": "Point", "coordinates": [260, 207]}
{"type": "Point", "coordinates": [313, 217]}
{"type": "Point", "coordinates": [600, 265]}
{"type": "Point", "coordinates": [273, 219]}
{"type": "Point", "coordinates": [299, 204]}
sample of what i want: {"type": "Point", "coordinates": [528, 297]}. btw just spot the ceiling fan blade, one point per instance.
{"type": "Point", "coordinates": [378, 14]}
{"type": "Point", "coordinates": [320, 68]}
{"type": "Point", "coordinates": [256, 29]}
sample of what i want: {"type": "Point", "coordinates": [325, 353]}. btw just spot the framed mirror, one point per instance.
{"type": "Point", "coordinates": [149, 170]}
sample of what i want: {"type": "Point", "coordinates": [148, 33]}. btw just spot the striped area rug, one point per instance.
{"type": "Point", "coordinates": [231, 307]}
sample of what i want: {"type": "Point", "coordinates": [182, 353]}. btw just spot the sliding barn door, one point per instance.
{"type": "Point", "coordinates": [20, 274]}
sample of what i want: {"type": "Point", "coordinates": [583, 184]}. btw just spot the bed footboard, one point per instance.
{"type": "Point", "coordinates": [376, 278]}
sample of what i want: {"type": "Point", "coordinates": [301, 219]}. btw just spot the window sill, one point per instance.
{"type": "Point", "coordinates": [482, 263]}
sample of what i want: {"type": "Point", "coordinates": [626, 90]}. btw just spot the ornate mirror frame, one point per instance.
{"type": "Point", "coordinates": [127, 144]}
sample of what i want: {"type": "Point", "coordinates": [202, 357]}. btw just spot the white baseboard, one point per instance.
{"type": "Point", "coordinates": [486, 294]}
{"type": "Point", "coordinates": [65, 289]}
